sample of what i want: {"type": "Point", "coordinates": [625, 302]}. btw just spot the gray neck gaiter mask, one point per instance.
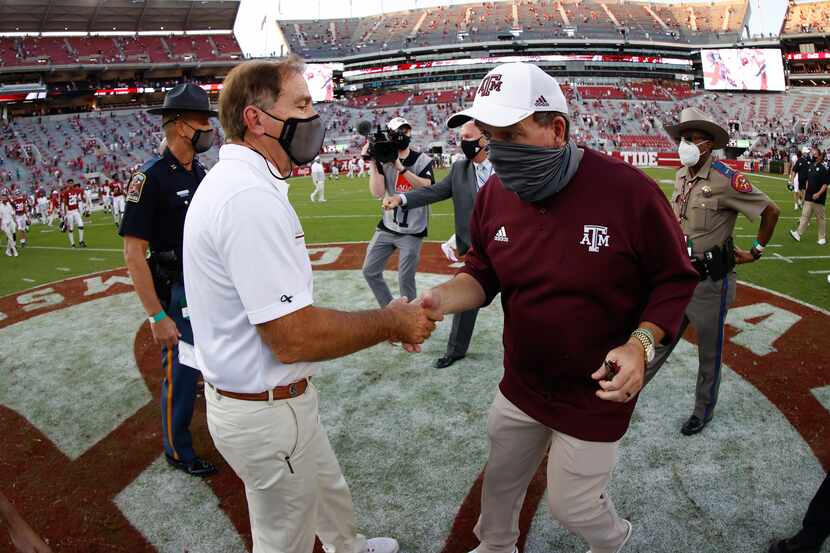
{"type": "Point", "coordinates": [532, 172]}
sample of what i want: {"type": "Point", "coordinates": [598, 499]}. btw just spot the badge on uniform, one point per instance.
{"type": "Point", "coordinates": [707, 191]}
{"type": "Point", "coordinates": [741, 184]}
{"type": "Point", "coordinates": [136, 186]}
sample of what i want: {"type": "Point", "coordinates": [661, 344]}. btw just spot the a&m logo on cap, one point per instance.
{"type": "Point", "coordinates": [489, 84]}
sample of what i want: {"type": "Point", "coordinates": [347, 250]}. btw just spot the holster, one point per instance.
{"type": "Point", "coordinates": [166, 269]}
{"type": "Point", "coordinates": [720, 260]}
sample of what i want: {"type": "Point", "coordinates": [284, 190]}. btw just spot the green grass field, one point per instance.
{"type": "Point", "coordinates": [796, 269]}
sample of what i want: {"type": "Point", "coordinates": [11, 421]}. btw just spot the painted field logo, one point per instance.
{"type": "Point", "coordinates": [81, 440]}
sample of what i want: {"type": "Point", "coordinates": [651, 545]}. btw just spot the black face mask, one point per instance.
{"type": "Point", "coordinates": [301, 139]}
{"type": "Point", "coordinates": [471, 148]}
{"type": "Point", "coordinates": [400, 140]}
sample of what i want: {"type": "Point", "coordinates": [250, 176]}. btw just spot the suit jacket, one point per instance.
{"type": "Point", "coordinates": [460, 185]}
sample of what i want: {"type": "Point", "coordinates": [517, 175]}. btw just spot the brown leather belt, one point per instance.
{"type": "Point", "coordinates": [280, 392]}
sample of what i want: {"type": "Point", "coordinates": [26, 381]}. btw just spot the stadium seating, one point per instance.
{"type": "Point", "coordinates": [625, 116]}
{"type": "Point", "coordinates": [810, 17]}
{"type": "Point", "coordinates": [24, 51]}
{"type": "Point", "coordinates": [529, 19]}
{"type": "Point", "coordinates": [601, 92]}
{"type": "Point", "coordinates": [648, 91]}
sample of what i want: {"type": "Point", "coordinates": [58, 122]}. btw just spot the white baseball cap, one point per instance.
{"type": "Point", "coordinates": [397, 123]}
{"type": "Point", "coordinates": [509, 93]}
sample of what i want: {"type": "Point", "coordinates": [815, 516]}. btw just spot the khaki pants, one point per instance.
{"type": "Point", "coordinates": [289, 501]}
{"type": "Point", "coordinates": [578, 473]}
{"type": "Point", "coordinates": [810, 209]}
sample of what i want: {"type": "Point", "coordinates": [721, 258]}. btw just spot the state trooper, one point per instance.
{"type": "Point", "coordinates": [708, 196]}
{"type": "Point", "coordinates": [158, 196]}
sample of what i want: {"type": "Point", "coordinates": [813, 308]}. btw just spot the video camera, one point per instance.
{"type": "Point", "coordinates": [383, 146]}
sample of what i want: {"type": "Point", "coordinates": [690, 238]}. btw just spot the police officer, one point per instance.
{"type": "Point", "coordinates": [708, 196]}
{"type": "Point", "coordinates": [157, 199]}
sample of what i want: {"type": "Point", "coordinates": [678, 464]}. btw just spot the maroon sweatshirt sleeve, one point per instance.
{"type": "Point", "coordinates": [665, 264]}
{"type": "Point", "coordinates": [476, 262]}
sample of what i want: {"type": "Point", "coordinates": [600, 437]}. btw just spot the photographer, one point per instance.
{"type": "Point", "coordinates": [400, 228]}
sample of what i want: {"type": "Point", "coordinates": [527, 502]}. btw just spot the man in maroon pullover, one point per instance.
{"type": "Point", "coordinates": [592, 271]}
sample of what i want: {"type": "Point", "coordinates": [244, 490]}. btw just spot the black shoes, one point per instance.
{"type": "Point", "coordinates": [447, 360]}
{"type": "Point", "coordinates": [693, 426]}
{"type": "Point", "coordinates": [196, 467]}
{"type": "Point", "coordinates": [83, 244]}
{"type": "Point", "coordinates": [792, 545]}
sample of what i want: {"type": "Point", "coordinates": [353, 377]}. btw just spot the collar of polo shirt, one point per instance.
{"type": "Point", "coordinates": [249, 156]}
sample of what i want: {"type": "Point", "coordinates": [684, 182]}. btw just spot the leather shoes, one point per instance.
{"type": "Point", "coordinates": [447, 360]}
{"type": "Point", "coordinates": [792, 545]}
{"type": "Point", "coordinates": [196, 467]}
{"type": "Point", "coordinates": [693, 426]}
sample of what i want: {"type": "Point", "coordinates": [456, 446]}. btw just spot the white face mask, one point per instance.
{"type": "Point", "coordinates": [689, 153]}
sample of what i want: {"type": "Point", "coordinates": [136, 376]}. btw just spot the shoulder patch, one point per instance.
{"type": "Point", "coordinates": [724, 169]}
{"type": "Point", "coordinates": [136, 186]}
{"type": "Point", "coordinates": [740, 183]}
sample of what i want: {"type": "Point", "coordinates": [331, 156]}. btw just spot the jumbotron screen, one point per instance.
{"type": "Point", "coordinates": [319, 79]}
{"type": "Point", "coordinates": [743, 69]}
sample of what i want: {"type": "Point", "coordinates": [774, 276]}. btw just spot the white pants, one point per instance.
{"type": "Point", "coordinates": [117, 205]}
{"type": "Point", "coordinates": [9, 229]}
{"type": "Point", "coordinates": [73, 219]}
{"type": "Point", "coordinates": [20, 220]}
{"type": "Point", "coordinates": [578, 473]}
{"type": "Point", "coordinates": [289, 501]}
{"type": "Point", "coordinates": [319, 193]}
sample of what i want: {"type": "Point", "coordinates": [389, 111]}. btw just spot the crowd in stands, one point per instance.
{"type": "Point", "coordinates": [628, 116]}
{"type": "Point", "coordinates": [44, 151]}
{"type": "Point", "coordinates": [808, 17]}
{"type": "Point", "coordinates": [528, 19]}
{"type": "Point", "coordinates": [71, 50]}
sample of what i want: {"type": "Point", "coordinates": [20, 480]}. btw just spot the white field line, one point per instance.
{"type": "Point", "coordinates": [70, 248]}
{"type": "Point", "coordinates": [64, 269]}
{"type": "Point", "coordinates": [819, 272]}
{"type": "Point", "coordinates": [28, 280]}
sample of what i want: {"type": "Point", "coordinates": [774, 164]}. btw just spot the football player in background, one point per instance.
{"type": "Point", "coordinates": [54, 205]}
{"type": "Point", "coordinates": [21, 216]}
{"type": "Point", "coordinates": [73, 197]}
{"type": "Point", "coordinates": [117, 193]}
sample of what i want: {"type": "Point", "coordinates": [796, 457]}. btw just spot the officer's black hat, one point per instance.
{"type": "Point", "coordinates": [185, 97]}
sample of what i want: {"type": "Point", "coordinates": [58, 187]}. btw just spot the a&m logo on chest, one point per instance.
{"type": "Point", "coordinates": [595, 237]}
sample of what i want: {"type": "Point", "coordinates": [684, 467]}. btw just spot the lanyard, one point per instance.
{"type": "Point", "coordinates": [683, 199]}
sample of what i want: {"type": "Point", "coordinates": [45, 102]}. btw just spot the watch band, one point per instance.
{"type": "Point", "coordinates": [646, 339]}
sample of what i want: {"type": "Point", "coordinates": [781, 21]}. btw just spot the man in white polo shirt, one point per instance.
{"type": "Point", "coordinates": [256, 333]}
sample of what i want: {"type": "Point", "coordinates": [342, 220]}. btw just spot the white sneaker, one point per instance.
{"type": "Point", "coordinates": [795, 235]}
{"type": "Point", "coordinates": [822, 242]}
{"type": "Point", "coordinates": [828, 279]}
{"type": "Point", "coordinates": [382, 545]}
{"type": "Point", "coordinates": [625, 541]}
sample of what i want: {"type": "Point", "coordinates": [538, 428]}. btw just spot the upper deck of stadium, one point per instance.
{"type": "Point", "coordinates": [528, 20]}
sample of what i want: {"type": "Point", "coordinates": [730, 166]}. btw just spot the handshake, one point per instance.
{"type": "Point", "coordinates": [413, 322]}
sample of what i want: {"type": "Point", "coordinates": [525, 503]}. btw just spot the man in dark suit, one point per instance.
{"type": "Point", "coordinates": [466, 177]}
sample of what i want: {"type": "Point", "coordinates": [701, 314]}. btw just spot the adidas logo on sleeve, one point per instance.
{"type": "Point", "coordinates": [501, 236]}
